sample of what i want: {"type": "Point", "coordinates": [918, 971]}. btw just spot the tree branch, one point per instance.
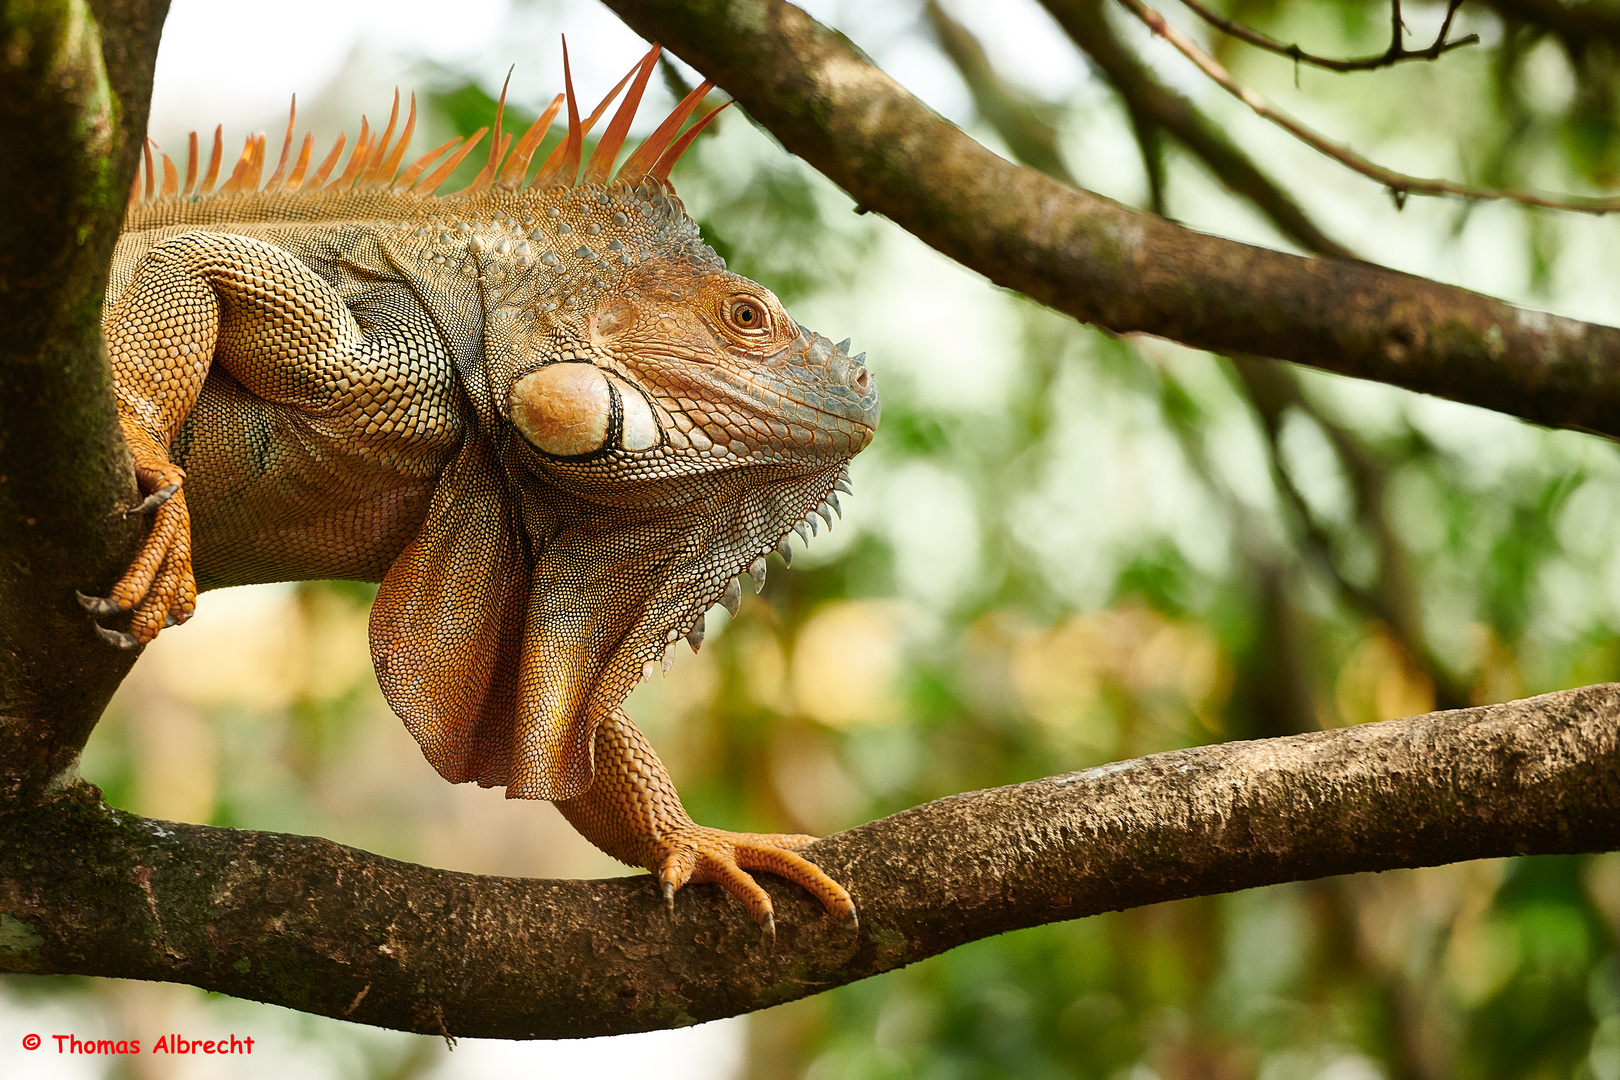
{"type": "Point", "coordinates": [327, 929]}
{"type": "Point", "coordinates": [1012, 113]}
{"type": "Point", "coordinates": [74, 89]}
{"type": "Point", "coordinates": [1123, 270]}
{"type": "Point", "coordinates": [1400, 184]}
{"type": "Point", "coordinates": [1396, 53]}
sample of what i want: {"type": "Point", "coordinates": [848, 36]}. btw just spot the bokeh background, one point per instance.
{"type": "Point", "coordinates": [1064, 548]}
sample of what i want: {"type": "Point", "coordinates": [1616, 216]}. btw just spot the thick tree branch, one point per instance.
{"type": "Point", "coordinates": [327, 929]}
{"type": "Point", "coordinates": [1123, 270]}
{"type": "Point", "coordinates": [74, 88]}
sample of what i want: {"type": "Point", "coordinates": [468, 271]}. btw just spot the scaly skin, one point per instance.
{"type": "Point", "coordinates": [633, 813]}
{"type": "Point", "coordinates": [545, 418]}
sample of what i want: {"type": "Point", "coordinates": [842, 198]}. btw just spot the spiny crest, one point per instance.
{"type": "Point", "coordinates": [374, 164]}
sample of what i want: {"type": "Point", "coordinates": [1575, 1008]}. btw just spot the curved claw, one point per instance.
{"type": "Point", "coordinates": [156, 499]}
{"type": "Point", "coordinates": [99, 606]}
{"type": "Point", "coordinates": [116, 638]}
{"type": "Point", "coordinates": [700, 854]}
{"type": "Point", "coordinates": [669, 896]}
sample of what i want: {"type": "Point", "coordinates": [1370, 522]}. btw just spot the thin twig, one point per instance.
{"type": "Point", "coordinates": [1400, 185]}
{"type": "Point", "coordinates": [1395, 54]}
{"type": "Point", "coordinates": [1272, 389]}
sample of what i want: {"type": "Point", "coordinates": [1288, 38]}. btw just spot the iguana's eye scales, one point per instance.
{"type": "Point", "coordinates": [748, 317]}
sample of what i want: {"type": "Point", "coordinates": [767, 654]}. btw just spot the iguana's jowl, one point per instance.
{"type": "Point", "coordinates": [539, 411]}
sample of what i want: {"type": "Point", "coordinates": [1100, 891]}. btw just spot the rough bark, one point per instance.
{"type": "Point", "coordinates": [327, 929]}
{"type": "Point", "coordinates": [75, 82]}
{"type": "Point", "coordinates": [1118, 268]}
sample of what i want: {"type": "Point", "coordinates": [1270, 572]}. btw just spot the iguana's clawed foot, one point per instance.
{"type": "Point", "coordinates": [698, 854]}
{"type": "Point", "coordinates": [159, 587]}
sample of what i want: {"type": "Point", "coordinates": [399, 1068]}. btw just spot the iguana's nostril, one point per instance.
{"type": "Point", "coordinates": [860, 379]}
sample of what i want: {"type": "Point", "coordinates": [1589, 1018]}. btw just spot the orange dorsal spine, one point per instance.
{"type": "Point", "coordinates": [275, 181]}
{"type": "Point", "coordinates": [295, 180]}
{"type": "Point", "coordinates": [641, 162]}
{"type": "Point", "coordinates": [667, 160]}
{"type": "Point", "coordinates": [213, 162]}
{"type": "Point", "coordinates": [600, 166]}
{"type": "Point", "coordinates": [497, 144]}
{"type": "Point", "coordinates": [374, 164]}
{"type": "Point", "coordinates": [517, 166]}
{"type": "Point", "coordinates": [171, 179]}
{"type": "Point", "coordinates": [563, 161]}
{"type": "Point", "coordinates": [318, 181]}
{"type": "Point", "coordinates": [191, 166]}
{"type": "Point", "coordinates": [369, 175]}
{"type": "Point", "coordinates": [554, 170]}
{"type": "Point", "coordinates": [390, 166]}
{"type": "Point", "coordinates": [430, 183]}
{"type": "Point", "coordinates": [407, 179]}
{"type": "Point", "coordinates": [357, 158]}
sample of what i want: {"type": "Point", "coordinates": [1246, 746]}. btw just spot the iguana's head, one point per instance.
{"type": "Point", "coordinates": [660, 424]}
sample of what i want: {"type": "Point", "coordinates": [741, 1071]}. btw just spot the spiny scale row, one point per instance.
{"type": "Point", "coordinates": [374, 164]}
{"type": "Point", "coordinates": [731, 597]}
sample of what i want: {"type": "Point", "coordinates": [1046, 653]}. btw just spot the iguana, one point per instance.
{"type": "Point", "coordinates": [539, 411]}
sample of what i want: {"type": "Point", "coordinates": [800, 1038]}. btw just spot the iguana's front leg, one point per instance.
{"type": "Point", "coordinates": [160, 338]}
{"type": "Point", "coordinates": [305, 403]}
{"type": "Point", "coordinates": [632, 812]}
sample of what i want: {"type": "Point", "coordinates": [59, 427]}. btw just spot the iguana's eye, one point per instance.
{"type": "Point", "coordinates": [748, 317]}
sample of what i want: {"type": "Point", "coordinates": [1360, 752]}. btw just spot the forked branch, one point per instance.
{"type": "Point", "coordinates": [1086, 22]}
{"type": "Point", "coordinates": [1396, 53]}
{"type": "Point", "coordinates": [1400, 184]}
